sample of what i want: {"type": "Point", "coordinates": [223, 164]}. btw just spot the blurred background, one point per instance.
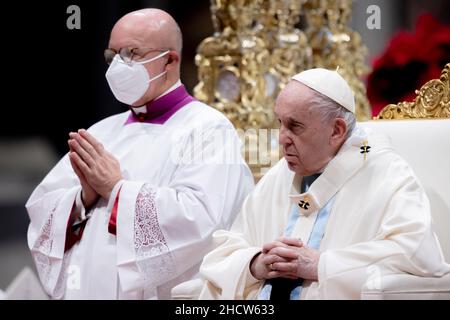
{"type": "Point", "coordinates": [54, 81]}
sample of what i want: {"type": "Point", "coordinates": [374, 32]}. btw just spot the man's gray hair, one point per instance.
{"type": "Point", "coordinates": [330, 110]}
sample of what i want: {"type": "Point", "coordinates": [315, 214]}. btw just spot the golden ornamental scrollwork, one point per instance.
{"type": "Point", "coordinates": [254, 51]}
{"type": "Point", "coordinates": [288, 45]}
{"type": "Point", "coordinates": [432, 101]}
{"type": "Point", "coordinates": [256, 48]}
{"type": "Point", "coordinates": [334, 45]}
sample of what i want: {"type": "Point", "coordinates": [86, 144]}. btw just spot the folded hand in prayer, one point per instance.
{"type": "Point", "coordinates": [302, 261]}
{"type": "Point", "coordinates": [97, 169]}
{"type": "Point", "coordinates": [286, 258]}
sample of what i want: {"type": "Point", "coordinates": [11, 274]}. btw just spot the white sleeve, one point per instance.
{"type": "Point", "coordinates": [226, 269]}
{"type": "Point", "coordinates": [405, 243]}
{"type": "Point", "coordinates": [49, 208]}
{"type": "Point", "coordinates": [164, 231]}
{"type": "Point", "coordinates": [79, 209]}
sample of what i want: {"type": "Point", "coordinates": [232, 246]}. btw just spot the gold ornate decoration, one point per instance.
{"type": "Point", "coordinates": [254, 51]}
{"type": "Point", "coordinates": [335, 45]}
{"type": "Point", "coordinates": [432, 101]}
{"type": "Point", "coordinates": [290, 53]}
{"type": "Point", "coordinates": [258, 46]}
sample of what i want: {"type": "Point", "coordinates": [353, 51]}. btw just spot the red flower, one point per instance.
{"type": "Point", "coordinates": [410, 60]}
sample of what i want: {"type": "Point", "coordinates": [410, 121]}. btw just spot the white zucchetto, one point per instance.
{"type": "Point", "coordinates": [329, 83]}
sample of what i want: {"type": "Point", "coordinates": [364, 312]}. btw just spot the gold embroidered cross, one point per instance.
{"type": "Point", "coordinates": [365, 149]}
{"type": "Point", "coordinates": [304, 204]}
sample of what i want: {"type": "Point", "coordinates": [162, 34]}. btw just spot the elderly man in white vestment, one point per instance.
{"type": "Point", "coordinates": [129, 212]}
{"type": "Point", "coordinates": [341, 209]}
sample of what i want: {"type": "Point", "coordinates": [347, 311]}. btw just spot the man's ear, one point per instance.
{"type": "Point", "coordinates": [173, 60]}
{"type": "Point", "coordinates": [339, 131]}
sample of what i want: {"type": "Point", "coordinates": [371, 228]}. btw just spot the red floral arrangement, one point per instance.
{"type": "Point", "coordinates": [411, 59]}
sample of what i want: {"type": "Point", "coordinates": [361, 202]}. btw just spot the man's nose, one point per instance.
{"type": "Point", "coordinates": [283, 137]}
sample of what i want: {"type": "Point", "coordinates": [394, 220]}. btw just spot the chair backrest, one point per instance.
{"type": "Point", "coordinates": [425, 145]}
{"type": "Point", "coordinates": [420, 133]}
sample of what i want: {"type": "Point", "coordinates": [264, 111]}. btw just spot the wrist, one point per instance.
{"type": "Point", "coordinates": [316, 268]}
{"type": "Point", "coordinates": [253, 266]}
{"type": "Point", "coordinates": [314, 271]}
{"type": "Point", "coordinates": [111, 189]}
{"type": "Point", "coordinates": [88, 200]}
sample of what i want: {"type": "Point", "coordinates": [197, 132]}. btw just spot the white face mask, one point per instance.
{"type": "Point", "coordinates": [129, 82]}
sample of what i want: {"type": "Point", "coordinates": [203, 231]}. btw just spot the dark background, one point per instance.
{"type": "Point", "coordinates": [53, 77]}
{"type": "Point", "coordinates": [61, 84]}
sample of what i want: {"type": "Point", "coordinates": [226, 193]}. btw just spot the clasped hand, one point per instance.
{"type": "Point", "coordinates": [286, 258]}
{"type": "Point", "coordinates": [97, 169]}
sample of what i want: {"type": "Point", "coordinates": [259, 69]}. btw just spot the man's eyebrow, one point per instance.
{"type": "Point", "coordinates": [294, 121]}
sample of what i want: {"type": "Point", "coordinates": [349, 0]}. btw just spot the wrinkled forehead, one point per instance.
{"type": "Point", "coordinates": [294, 99]}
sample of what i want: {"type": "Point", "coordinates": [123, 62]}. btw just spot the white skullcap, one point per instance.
{"type": "Point", "coordinates": [329, 83]}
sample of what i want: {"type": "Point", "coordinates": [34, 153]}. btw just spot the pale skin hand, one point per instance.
{"type": "Point", "coordinates": [88, 195]}
{"type": "Point", "coordinates": [100, 168]}
{"type": "Point", "coordinates": [304, 265]}
{"type": "Point", "coordinates": [260, 265]}
{"type": "Point", "coordinates": [289, 258]}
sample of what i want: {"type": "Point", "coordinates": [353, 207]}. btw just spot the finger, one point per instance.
{"type": "Point", "coordinates": [289, 276]}
{"type": "Point", "coordinates": [80, 163]}
{"type": "Point", "coordinates": [284, 252]}
{"type": "Point", "coordinates": [290, 267]}
{"type": "Point", "coordinates": [291, 241]}
{"type": "Point", "coordinates": [85, 156]}
{"type": "Point", "coordinates": [280, 274]}
{"type": "Point", "coordinates": [74, 165]}
{"type": "Point", "coordinates": [271, 258]}
{"type": "Point", "coordinates": [85, 145]}
{"type": "Point", "coordinates": [274, 274]}
{"type": "Point", "coordinates": [70, 147]}
{"type": "Point", "coordinates": [78, 172]}
{"type": "Point", "coordinates": [94, 142]}
{"type": "Point", "coordinates": [269, 246]}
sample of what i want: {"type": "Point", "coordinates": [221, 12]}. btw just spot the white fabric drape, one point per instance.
{"type": "Point", "coordinates": [167, 210]}
{"type": "Point", "coordinates": [380, 224]}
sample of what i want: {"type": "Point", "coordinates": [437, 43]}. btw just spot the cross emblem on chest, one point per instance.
{"type": "Point", "coordinates": [365, 149]}
{"type": "Point", "coordinates": [303, 204]}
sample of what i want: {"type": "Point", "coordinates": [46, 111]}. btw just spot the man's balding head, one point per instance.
{"type": "Point", "coordinates": [153, 28]}
{"type": "Point", "coordinates": [150, 32]}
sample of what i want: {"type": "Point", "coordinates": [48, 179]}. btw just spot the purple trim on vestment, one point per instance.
{"type": "Point", "coordinates": [161, 109]}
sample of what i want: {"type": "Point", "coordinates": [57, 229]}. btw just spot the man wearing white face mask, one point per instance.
{"type": "Point", "coordinates": [128, 79]}
{"type": "Point", "coordinates": [129, 212]}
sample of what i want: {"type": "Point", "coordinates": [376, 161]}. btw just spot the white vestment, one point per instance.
{"type": "Point", "coordinates": [379, 225]}
{"type": "Point", "coordinates": [167, 210]}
